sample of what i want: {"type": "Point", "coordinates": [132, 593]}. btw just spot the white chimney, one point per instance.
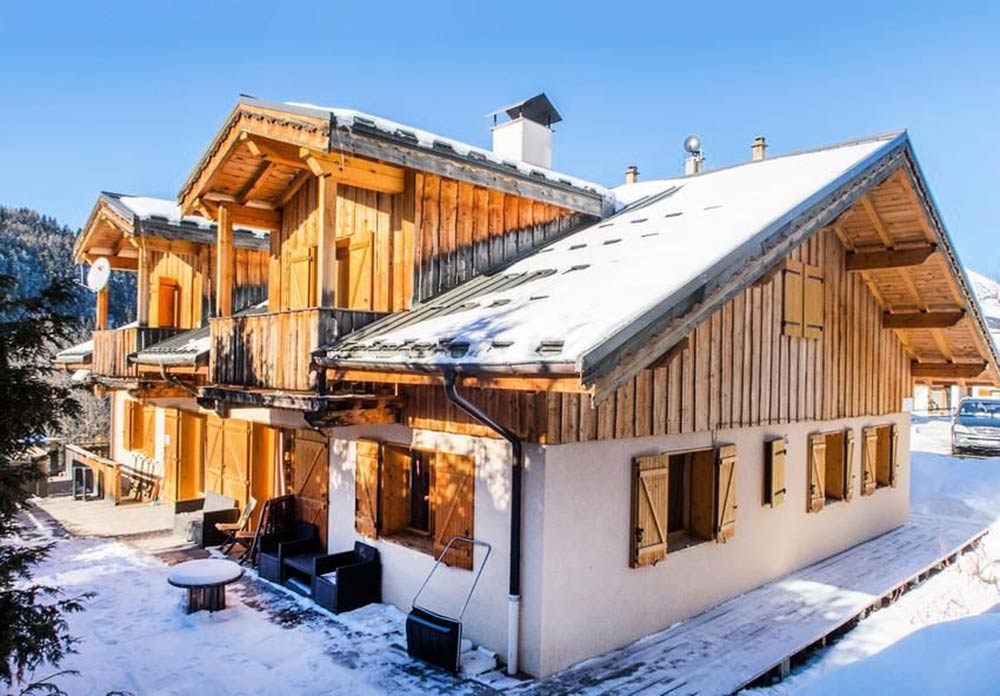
{"type": "Point", "coordinates": [527, 135]}
{"type": "Point", "coordinates": [631, 174]}
{"type": "Point", "coordinates": [759, 148]}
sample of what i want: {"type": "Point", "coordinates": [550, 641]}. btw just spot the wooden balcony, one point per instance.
{"type": "Point", "coordinates": [274, 350]}
{"type": "Point", "coordinates": [113, 347]}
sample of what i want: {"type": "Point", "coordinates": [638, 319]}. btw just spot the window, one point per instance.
{"type": "Point", "coordinates": [681, 499]}
{"type": "Point", "coordinates": [140, 428]}
{"type": "Point", "coordinates": [880, 460]}
{"type": "Point", "coordinates": [830, 468]}
{"type": "Point", "coordinates": [417, 497]}
{"type": "Point", "coordinates": [803, 300]}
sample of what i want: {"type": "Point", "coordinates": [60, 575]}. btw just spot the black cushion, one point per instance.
{"type": "Point", "coordinates": [303, 563]}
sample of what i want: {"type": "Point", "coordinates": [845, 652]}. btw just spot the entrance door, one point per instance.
{"type": "Point", "coordinates": [171, 436]}
{"type": "Point", "coordinates": [263, 464]}
{"type": "Point", "coordinates": [236, 460]}
{"type": "Point", "coordinates": [213, 454]}
{"type": "Point", "coordinates": [190, 473]}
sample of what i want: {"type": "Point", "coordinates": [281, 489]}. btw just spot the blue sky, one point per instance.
{"type": "Point", "coordinates": [126, 96]}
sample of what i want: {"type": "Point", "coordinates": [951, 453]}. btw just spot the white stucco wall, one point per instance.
{"type": "Point", "coordinates": [592, 601]}
{"type": "Point", "coordinates": [404, 569]}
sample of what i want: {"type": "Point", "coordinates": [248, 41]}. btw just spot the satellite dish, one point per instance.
{"type": "Point", "coordinates": [99, 274]}
{"type": "Point", "coordinates": [692, 144]}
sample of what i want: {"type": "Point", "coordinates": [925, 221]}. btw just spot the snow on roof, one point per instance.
{"type": "Point", "coordinates": [157, 209]}
{"type": "Point", "coordinates": [188, 347]}
{"type": "Point", "coordinates": [567, 298]}
{"type": "Point", "coordinates": [352, 119]}
{"type": "Point", "coordinates": [81, 352]}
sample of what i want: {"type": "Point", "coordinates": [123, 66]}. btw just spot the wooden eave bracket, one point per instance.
{"type": "Point", "coordinates": [921, 320]}
{"type": "Point", "coordinates": [889, 258]}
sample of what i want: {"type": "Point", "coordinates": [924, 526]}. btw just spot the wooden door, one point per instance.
{"type": "Point", "coordinates": [148, 446]}
{"type": "Point", "coordinates": [366, 488]}
{"type": "Point", "coordinates": [168, 303]}
{"type": "Point", "coordinates": [263, 465]}
{"type": "Point", "coordinates": [171, 452]}
{"type": "Point", "coordinates": [213, 454]}
{"type": "Point", "coordinates": [396, 504]}
{"type": "Point", "coordinates": [453, 506]}
{"type": "Point", "coordinates": [302, 279]}
{"type": "Point", "coordinates": [236, 460]}
{"type": "Point", "coordinates": [312, 479]}
{"type": "Point", "coordinates": [190, 471]}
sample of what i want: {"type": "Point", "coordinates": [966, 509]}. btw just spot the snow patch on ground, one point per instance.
{"type": "Point", "coordinates": [894, 645]}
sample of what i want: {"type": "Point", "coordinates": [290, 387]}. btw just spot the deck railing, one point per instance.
{"type": "Point", "coordinates": [113, 347]}
{"type": "Point", "coordinates": [274, 350]}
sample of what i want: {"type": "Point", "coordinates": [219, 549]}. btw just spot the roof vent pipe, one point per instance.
{"type": "Point", "coordinates": [759, 148]}
{"type": "Point", "coordinates": [696, 160]}
{"type": "Point", "coordinates": [631, 174]}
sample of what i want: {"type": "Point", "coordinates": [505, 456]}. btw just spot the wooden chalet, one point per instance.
{"type": "Point", "coordinates": [696, 385]}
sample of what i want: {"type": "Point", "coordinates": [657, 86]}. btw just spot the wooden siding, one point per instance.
{"type": "Point", "coordinates": [192, 267]}
{"type": "Point", "coordinates": [737, 369]}
{"type": "Point", "coordinates": [435, 235]}
{"type": "Point", "coordinates": [467, 230]}
{"type": "Point", "coordinates": [275, 350]}
{"type": "Point", "coordinates": [112, 348]}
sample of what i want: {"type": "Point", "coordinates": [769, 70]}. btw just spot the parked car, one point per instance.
{"type": "Point", "coordinates": [976, 425]}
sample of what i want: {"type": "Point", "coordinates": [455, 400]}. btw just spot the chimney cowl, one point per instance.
{"type": "Point", "coordinates": [695, 160]}
{"type": "Point", "coordinates": [631, 174]}
{"type": "Point", "coordinates": [527, 134]}
{"type": "Point", "coordinates": [758, 150]}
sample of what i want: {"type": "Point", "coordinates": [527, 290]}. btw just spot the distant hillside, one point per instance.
{"type": "Point", "coordinates": [36, 249]}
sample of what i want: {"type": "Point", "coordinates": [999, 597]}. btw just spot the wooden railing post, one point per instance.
{"type": "Point", "coordinates": [102, 309]}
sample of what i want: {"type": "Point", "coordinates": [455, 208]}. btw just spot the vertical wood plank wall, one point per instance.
{"type": "Point", "coordinates": [194, 271]}
{"type": "Point", "coordinates": [737, 370]}
{"type": "Point", "coordinates": [435, 235]}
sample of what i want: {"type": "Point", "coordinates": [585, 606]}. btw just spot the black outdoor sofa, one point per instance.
{"type": "Point", "coordinates": [337, 582]}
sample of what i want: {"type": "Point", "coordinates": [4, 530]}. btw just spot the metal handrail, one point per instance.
{"type": "Point", "coordinates": [475, 580]}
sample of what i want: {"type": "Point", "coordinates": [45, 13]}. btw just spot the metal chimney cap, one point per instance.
{"type": "Point", "coordinates": [538, 109]}
{"type": "Point", "coordinates": [692, 144]}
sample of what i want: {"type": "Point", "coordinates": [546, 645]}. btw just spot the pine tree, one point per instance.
{"type": "Point", "coordinates": [33, 629]}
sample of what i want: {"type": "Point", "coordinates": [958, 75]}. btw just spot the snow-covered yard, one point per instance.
{"type": "Point", "coordinates": [135, 636]}
{"type": "Point", "coordinates": [889, 647]}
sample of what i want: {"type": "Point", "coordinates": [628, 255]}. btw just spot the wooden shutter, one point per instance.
{"type": "Point", "coordinates": [817, 469]}
{"type": "Point", "coordinates": [453, 487]}
{"type": "Point", "coordinates": [213, 454]}
{"type": "Point", "coordinates": [869, 456]}
{"type": "Point", "coordinates": [848, 465]}
{"type": "Point", "coordinates": [171, 454]}
{"type": "Point", "coordinates": [893, 455]}
{"type": "Point", "coordinates": [775, 453]}
{"type": "Point", "coordinates": [791, 323]}
{"type": "Point", "coordinates": [312, 479]}
{"type": "Point", "coordinates": [395, 488]}
{"type": "Point", "coordinates": [725, 496]}
{"type": "Point", "coordinates": [650, 498]}
{"type": "Point", "coordinates": [302, 280]}
{"type": "Point", "coordinates": [148, 446]}
{"type": "Point", "coordinates": [366, 489]}
{"type": "Point", "coordinates": [813, 301]}
{"type": "Point", "coordinates": [128, 442]}
{"type": "Point", "coordinates": [361, 270]}
{"type": "Point", "coordinates": [702, 505]}
{"type": "Point", "coordinates": [168, 305]}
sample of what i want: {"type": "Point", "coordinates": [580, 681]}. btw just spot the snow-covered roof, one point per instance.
{"type": "Point", "coordinates": [188, 347]}
{"type": "Point", "coordinates": [554, 309]}
{"type": "Point", "coordinates": [80, 353]}
{"type": "Point", "coordinates": [988, 293]}
{"type": "Point", "coordinates": [351, 119]}
{"type": "Point", "coordinates": [144, 209]}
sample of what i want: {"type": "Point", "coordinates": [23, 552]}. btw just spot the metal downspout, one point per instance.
{"type": "Point", "coordinates": [517, 465]}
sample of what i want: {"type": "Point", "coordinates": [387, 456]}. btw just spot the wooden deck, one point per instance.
{"type": "Point", "coordinates": [750, 636]}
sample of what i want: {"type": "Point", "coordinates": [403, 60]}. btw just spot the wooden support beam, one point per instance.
{"type": "Point", "coordinates": [921, 320]}
{"type": "Point", "coordinates": [102, 309]}
{"type": "Point", "coordinates": [891, 258]}
{"type": "Point", "coordinates": [251, 216]}
{"type": "Point", "coordinates": [883, 234]}
{"type": "Point", "coordinates": [355, 171]}
{"type": "Point", "coordinates": [946, 370]}
{"type": "Point", "coordinates": [565, 385]}
{"type": "Point", "coordinates": [250, 187]}
{"type": "Point", "coordinates": [142, 286]}
{"type": "Point", "coordinates": [326, 263]}
{"type": "Point", "coordinates": [225, 258]}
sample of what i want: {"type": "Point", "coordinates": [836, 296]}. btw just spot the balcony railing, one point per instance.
{"type": "Point", "coordinates": [273, 351]}
{"type": "Point", "coordinates": [113, 347]}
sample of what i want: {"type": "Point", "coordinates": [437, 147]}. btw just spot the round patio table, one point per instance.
{"type": "Point", "coordinates": [205, 580]}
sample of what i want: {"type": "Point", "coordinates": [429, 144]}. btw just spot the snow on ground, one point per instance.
{"type": "Point", "coordinates": [136, 637]}
{"type": "Point", "coordinates": [895, 645]}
